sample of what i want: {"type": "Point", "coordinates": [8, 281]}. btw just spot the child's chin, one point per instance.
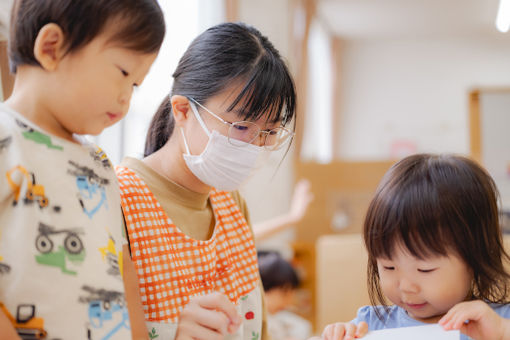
{"type": "Point", "coordinates": [97, 130]}
{"type": "Point", "coordinates": [425, 317]}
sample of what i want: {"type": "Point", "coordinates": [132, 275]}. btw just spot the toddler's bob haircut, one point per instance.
{"type": "Point", "coordinates": [138, 25]}
{"type": "Point", "coordinates": [437, 205]}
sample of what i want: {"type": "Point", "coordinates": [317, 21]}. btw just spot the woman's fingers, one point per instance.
{"type": "Point", "coordinates": [212, 319]}
{"type": "Point", "coordinates": [220, 302]}
{"type": "Point", "coordinates": [206, 317]}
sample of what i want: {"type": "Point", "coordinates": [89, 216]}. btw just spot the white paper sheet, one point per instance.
{"type": "Point", "coordinates": [428, 332]}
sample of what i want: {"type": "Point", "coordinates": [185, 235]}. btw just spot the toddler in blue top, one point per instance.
{"type": "Point", "coordinates": [435, 251]}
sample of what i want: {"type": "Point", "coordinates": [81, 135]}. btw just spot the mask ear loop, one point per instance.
{"type": "Point", "coordinates": [200, 121]}
{"type": "Point", "coordinates": [197, 115]}
{"type": "Point", "coordinates": [185, 143]}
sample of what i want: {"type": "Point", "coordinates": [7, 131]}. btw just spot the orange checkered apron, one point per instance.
{"type": "Point", "coordinates": [172, 267]}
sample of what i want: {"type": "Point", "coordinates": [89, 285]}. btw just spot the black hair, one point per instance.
{"type": "Point", "coordinates": [437, 205]}
{"type": "Point", "coordinates": [219, 57]}
{"type": "Point", "coordinates": [140, 27]}
{"type": "Point", "coordinates": [276, 272]}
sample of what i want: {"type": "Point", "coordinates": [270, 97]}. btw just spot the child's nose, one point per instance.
{"type": "Point", "coordinates": [407, 285]}
{"type": "Point", "coordinates": [125, 96]}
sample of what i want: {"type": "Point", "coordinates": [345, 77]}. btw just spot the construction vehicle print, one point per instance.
{"type": "Point", "coordinates": [100, 156]}
{"type": "Point", "coordinates": [36, 136]}
{"type": "Point", "coordinates": [34, 192]}
{"type": "Point", "coordinates": [72, 249]}
{"type": "Point", "coordinates": [92, 192]}
{"type": "Point", "coordinates": [107, 312]}
{"type": "Point", "coordinates": [112, 258]}
{"type": "Point", "coordinates": [26, 324]}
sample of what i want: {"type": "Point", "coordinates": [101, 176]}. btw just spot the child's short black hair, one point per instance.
{"type": "Point", "coordinates": [275, 272]}
{"type": "Point", "coordinates": [140, 25]}
{"type": "Point", "coordinates": [434, 205]}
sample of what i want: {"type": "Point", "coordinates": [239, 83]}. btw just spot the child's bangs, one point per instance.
{"type": "Point", "coordinates": [136, 32]}
{"type": "Point", "coordinates": [268, 92]}
{"type": "Point", "coordinates": [410, 216]}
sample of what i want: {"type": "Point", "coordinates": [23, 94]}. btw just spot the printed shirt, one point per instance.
{"type": "Point", "coordinates": [173, 268]}
{"type": "Point", "coordinates": [397, 317]}
{"type": "Point", "coordinates": [61, 235]}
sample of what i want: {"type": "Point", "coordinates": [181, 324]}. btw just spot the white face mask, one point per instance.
{"type": "Point", "coordinates": [222, 165]}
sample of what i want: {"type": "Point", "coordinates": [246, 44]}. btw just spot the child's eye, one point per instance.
{"type": "Point", "coordinates": [388, 268]}
{"type": "Point", "coordinates": [124, 73]}
{"type": "Point", "coordinates": [426, 270]}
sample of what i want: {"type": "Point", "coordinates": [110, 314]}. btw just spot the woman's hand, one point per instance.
{"type": "Point", "coordinates": [343, 331]}
{"type": "Point", "coordinates": [208, 317]}
{"type": "Point", "coordinates": [477, 320]}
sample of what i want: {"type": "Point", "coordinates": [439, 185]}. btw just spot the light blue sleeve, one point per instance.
{"type": "Point", "coordinates": [502, 310]}
{"type": "Point", "coordinates": [383, 317]}
{"type": "Point", "coordinates": [369, 315]}
{"type": "Point", "coordinates": [362, 315]}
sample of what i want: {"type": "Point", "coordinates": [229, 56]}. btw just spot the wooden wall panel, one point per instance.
{"type": "Point", "coordinates": [337, 187]}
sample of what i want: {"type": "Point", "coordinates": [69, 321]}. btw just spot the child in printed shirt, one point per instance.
{"type": "Point", "coordinates": [62, 247]}
{"type": "Point", "coordinates": [435, 251]}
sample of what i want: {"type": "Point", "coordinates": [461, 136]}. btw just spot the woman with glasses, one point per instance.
{"type": "Point", "coordinates": [232, 100]}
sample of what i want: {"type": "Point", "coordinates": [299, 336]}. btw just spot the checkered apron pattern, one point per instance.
{"type": "Point", "coordinates": [172, 267]}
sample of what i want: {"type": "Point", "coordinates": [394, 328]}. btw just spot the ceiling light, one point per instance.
{"type": "Point", "coordinates": [503, 18]}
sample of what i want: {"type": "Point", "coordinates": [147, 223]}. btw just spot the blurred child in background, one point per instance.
{"type": "Point", "coordinates": [280, 281]}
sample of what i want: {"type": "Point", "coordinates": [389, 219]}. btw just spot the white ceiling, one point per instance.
{"type": "Point", "coordinates": [408, 19]}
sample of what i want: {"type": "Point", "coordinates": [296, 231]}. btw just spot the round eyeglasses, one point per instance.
{"type": "Point", "coordinates": [245, 132]}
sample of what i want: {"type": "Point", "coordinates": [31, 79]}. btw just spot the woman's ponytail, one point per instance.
{"type": "Point", "coordinates": [160, 128]}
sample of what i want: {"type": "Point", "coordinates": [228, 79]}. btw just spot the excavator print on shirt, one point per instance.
{"type": "Point", "coordinates": [27, 325]}
{"type": "Point", "coordinates": [69, 252]}
{"type": "Point", "coordinates": [34, 192]}
{"type": "Point", "coordinates": [23, 181]}
{"type": "Point", "coordinates": [91, 187]}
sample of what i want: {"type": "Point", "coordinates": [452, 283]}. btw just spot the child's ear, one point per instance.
{"type": "Point", "coordinates": [180, 109]}
{"type": "Point", "coordinates": [49, 46]}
